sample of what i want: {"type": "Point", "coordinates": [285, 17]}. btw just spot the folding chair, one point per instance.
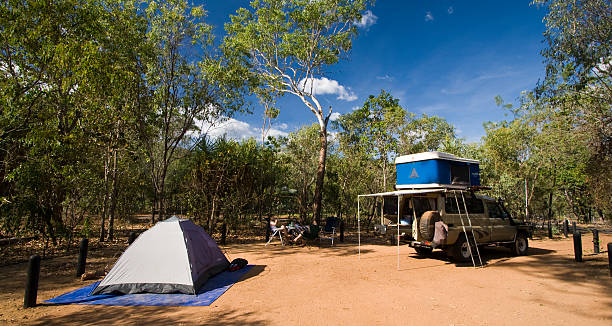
{"type": "Point", "coordinates": [275, 231]}
{"type": "Point", "coordinates": [329, 231]}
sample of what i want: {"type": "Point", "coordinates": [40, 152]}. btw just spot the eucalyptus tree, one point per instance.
{"type": "Point", "coordinates": [377, 125]}
{"type": "Point", "coordinates": [187, 82]}
{"type": "Point", "coordinates": [299, 155]}
{"type": "Point", "coordinates": [288, 45]}
{"type": "Point", "coordinates": [118, 94]}
{"type": "Point", "coordinates": [51, 59]}
{"type": "Point", "coordinates": [423, 133]}
{"type": "Point", "coordinates": [578, 81]}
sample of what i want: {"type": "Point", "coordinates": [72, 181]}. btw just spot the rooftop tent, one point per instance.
{"type": "Point", "coordinates": [174, 256]}
{"type": "Point", "coordinates": [436, 169]}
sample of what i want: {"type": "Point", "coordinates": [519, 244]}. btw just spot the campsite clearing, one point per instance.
{"type": "Point", "coordinates": [331, 285]}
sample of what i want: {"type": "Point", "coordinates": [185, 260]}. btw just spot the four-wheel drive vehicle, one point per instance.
{"type": "Point", "coordinates": [486, 217]}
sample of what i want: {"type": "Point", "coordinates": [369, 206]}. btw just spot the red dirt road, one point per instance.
{"type": "Point", "coordinates": [332, 286]}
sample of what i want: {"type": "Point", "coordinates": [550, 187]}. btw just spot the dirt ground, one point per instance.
{"type": "Point", "coordinates": [334, 286]}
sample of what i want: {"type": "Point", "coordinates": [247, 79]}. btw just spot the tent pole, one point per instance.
{"type": "Point", "coordinates": [358, 228]}
{"type": "Point", "coordinates": [398, 230]}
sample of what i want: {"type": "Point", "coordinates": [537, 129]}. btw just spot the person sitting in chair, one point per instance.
{"type": "Point", "coordinates": [299, 230]}
{"type": "Point", "coordinates": [309, 232]}
{"type": "Point", "coordinates": [274, 226]}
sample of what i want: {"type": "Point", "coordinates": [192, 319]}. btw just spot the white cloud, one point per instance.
{"type": "Point", "coordinates": [332, 136]}
{"type": "Point", "coordinates": [385, 77]}
{"type": "Point", "coordinates": [334, 116]}
{"type": "Point", "coordinates": [236, 129]}
{"type": "Point", "coordinates": [429, 16]}
{"type": "Point", "coordinates": [355, 108]}
{"type": "Point", "coordinates": [603, 66]}
{"type": "Point", "coordinates": [451, 10]}
{"type": "Point", "coordinates": [323, 86]}
{"type": "Point", "coordinates": [367, 19]}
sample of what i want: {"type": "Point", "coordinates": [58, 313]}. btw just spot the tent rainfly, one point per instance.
{"type": "Point", "coordinates": [174, 256]}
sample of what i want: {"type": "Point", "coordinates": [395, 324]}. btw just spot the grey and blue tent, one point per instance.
{"type": "Point", "coordinates": [174, 256]}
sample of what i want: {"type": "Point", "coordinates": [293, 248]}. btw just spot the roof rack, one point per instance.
{"type": "Point", "coordinates": [479, 188]}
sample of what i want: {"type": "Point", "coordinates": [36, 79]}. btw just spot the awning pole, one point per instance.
{"type": "Point", "coordinates": [398, 234]}
{"type": "Point", "coordinates": [358, 228]}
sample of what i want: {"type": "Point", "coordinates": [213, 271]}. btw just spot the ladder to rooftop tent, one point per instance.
{"type": "Point", "coordinates": [469, 237]}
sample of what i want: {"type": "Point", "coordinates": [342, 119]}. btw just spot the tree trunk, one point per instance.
{"type": "Point", "coordinates": [318, 194]}
{"type": "Point", "coordinates": [105, 201]}
{"type": "Point", "coordinates": [161, 204]}
{"type": "Point", "coordinates": [153, 207]}
{"type": "Point", "coordinates": [161, 195]}
{"type": "Point", "coordinates": [115, 183]}
{"type": "Point", "coordinates": [384, 158]}
{"type": "Point", "coordinates": [550, 195]}
{"type": "Point", "coordinates": [211, 217]}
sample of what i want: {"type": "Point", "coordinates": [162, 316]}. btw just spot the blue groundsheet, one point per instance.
{"type": "Point", "coordinates": [212, 290]}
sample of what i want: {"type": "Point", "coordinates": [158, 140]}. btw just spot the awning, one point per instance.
{"type": "Point", "coordinates": [396, 193]}
{"type": "Point", "coordinates": [403, 192]}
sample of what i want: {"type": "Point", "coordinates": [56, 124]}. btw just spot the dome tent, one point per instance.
{"type": "Point", "coordinates": [174, 256]}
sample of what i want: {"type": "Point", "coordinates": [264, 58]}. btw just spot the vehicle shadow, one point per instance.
{"type": "Point", "coordinates": [488, 255]}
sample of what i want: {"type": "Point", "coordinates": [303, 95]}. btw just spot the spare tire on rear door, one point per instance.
{"type": "Point", "coordinates": [427, 224]}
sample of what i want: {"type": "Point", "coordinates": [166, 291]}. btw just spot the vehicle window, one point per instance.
{"type": "Point", "coordinates": [421, 205]}
{"type": "Point", "coordinates": [474, 205]}
{"type": "Point", "coordinates": [495, 211]}
{"type": "Point", "coordinates": [450, 206]}
{"type": "Point", "coordinates": [390, 207]}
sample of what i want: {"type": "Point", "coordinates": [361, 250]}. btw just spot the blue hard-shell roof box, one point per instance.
{"type": "Point", "coordinates": [435, 170]}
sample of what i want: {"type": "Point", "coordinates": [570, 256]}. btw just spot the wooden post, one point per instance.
{"type": "Point", "coordinates": [610, 257]}
{"type": "Point", "coordinates": [596, 241]}
{"type": "Point", "coordinates": [565, 228]}
{"type": "Point", "coordinates": [577, 247]}
{"type": "Point", "coordinates": [267, 229]}
{"type": "Point", "coordinates": [132, 237]}
{"type": "Point", "coordinates": [223, 233]}
{"type": "Point", "coordinates": [82, 257]}
{"type": "Point", "coordinates": [31, 289]}
{"type": "Point", "coordinates": [341, 230]}
{"type": "Point", "coordinates": [573, 227]}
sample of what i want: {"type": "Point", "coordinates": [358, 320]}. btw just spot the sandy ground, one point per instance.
{"type": "Point", "coordinates": [333, 286]}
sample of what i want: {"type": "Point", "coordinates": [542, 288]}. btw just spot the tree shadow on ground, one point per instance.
{"type": "Point", "coordinates": [323, 251]}
{"type": "Point", "coordinates": [275, 249]}
{"type": "Point", "coordinates": [591, 276]}
{"type": "Point", "coordinates": [100, 315]}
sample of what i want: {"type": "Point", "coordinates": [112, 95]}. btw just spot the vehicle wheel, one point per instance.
{"type": "Point", "coordinates": [423, 251]}
{"type": "Point", "coordinates": [520, 245]}
{"type": "Point", "coordinates": [427, 224]}
{"type": "Point", "coordinates": [461, 250]}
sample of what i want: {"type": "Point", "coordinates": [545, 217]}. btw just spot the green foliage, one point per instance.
{"type": "Point", "coordinates": [283, 46]}
{"type": "Point", "coordinates": [231, 182]}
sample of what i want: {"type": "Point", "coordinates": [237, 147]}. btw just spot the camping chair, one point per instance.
{"type": "Point", "coordinates": [311, 234]}
{"type": "Point", "coordinates": [275, 231]}
{"type": "Point", "coordinates": [329, 231]}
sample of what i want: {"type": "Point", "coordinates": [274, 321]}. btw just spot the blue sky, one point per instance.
{"type": "Point", "coordinates": [439, 57]}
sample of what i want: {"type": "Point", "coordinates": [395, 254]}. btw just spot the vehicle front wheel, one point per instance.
{"type": "Point", "coordinates": [423, 251]}
{"type": "Point", "coordinates": [520, 245]}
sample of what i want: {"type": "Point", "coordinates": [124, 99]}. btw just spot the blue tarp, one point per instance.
{"type": "Point", "coordinates": [212, 290]}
